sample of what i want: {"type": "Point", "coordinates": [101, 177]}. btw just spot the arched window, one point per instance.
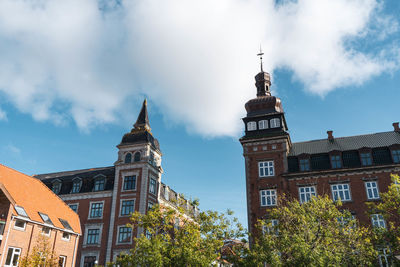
{"type": "Point", "coordinates": [56, 187]}
{"type": "Point", "coordinates": [263, 124]}
{"type": "Point", "coordinates": [128, 158]}
{"type": "Point", "coordinates": [275, 123]}
{"type": "Point", "coordinates": [76, 185]}
{"type": "Point", "coordinates": [251, 126]}
{"type": "Point", "coordinates": [136, 158]}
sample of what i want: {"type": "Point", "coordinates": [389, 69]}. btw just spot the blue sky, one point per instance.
{"type": "Point", "coordinates": [68, 93]}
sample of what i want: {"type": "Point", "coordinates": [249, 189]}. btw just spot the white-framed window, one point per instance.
{"type": "Point", "coordinates": [66, 236]}
{"type": "Point", "coordinates": [96, 210]}
{"type": "Point", "coordinates": [99, 184]}
{"type": "Point", "coordinates": [372, 190]}
{"type": "Point", "coordinates": [127, 207]}
{"type": "Point", "coordinates": [263, 124]}
{"type": "Point", "coordinates": [271, 226]}
{"type": "Point", "coordinates": [76, 185]}
{"type": "Point", "coordinates": [275, 123]}
{"type": "Point", "coordinates": [56, 187]}
{"type": "Point", "coordinates": [93, 236]}
{"type": "Point", "coordinates": [153, 186]}
{"type": "Point", "coordinates": [20, 225]}
{"type": "Point", "coordinates": [341, 191]}
{"type": "Point", "coordinates": [62, 260]}
{"type": "Point", "coordinates": [251, 126]}
{"type": "Point", "coordinates": [128, 158]}
{"type": "Point", "coordinates": [377, 220]}
{"type": "Point", "coordinates": [74, 207]}
{"type": "Point", "coordinates": [266, 168]}
{"type": "Point", "coordinates": [46, 231]}
{"type": "Point", "coordinates": [150, 205]}
{"type": "Point", "coordinates": [129, 183]}
{"type": "Point", "coordinates": [12, 256]}
{"type": "Point", "coordinates": [306, 193]}
{"type": "Point", "coordinates": [268, 197]}
{"type": "Point", "coordinates": [124, 234]}
{"type": "Point", "coordinates": [137, 157]}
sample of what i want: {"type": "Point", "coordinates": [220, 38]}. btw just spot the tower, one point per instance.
{"type": "Point", "coordinates": [265, 146]}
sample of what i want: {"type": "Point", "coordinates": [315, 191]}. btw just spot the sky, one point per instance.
{"type": "Point", "coordinates": [73, 75]}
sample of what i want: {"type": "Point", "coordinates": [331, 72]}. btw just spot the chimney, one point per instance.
{"type": "Point", "coordinates": [330, 135]}
{"type": "Point", "coordinates": [396, 127]}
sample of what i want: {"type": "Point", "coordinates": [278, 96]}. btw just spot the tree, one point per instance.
{"type": "Point", "coordinates": [41, 255]}
{"type": "Point", "coordinates": [315, 233]}
{"type": "Point", "coordinates": [171, 237]}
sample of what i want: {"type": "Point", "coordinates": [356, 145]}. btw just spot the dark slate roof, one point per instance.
{"type": "Point", "coordinates": [87, 176]}
{"type": "Point", "coordinates": [375, 140]}
{"type": "Point", "coordinates": [140, 137]}
{"type": "Point", "coordinates": [143, 118]}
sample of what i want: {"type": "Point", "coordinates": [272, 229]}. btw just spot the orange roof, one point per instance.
{"type": "Point", "coordinates": [31, 194]}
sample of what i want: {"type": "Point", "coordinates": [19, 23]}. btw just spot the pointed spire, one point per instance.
{"type": "Point", "coordinates": [142, 122]}
{"type": "Point", "coordinates": [263, 79]}
{"type": "Point", "coordinates": [260, 55]}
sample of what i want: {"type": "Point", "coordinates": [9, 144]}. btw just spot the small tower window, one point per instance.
{"type": "Point", "coordinates": [251, 126]}
{"type": "Point", "coordinates": [275, 123]}
{"type": "Point", "coordinates": [128, 158]}
{"type": "Point", "coordinates": [263, 124]}
{"type": "Point", "coordinates": [137, 157]}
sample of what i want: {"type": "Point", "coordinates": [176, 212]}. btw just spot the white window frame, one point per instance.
{"type": "Point", "coordinates": [65, 239]}
{"type": "Point", "coordinates": [120, 206]}
{"type": "Point", "coordinates": [275, 123]}
{"type": "Point", "coordinates": [64, 260]}
{"type": "Point", "coordinates": [123, 182]}
{"type": "Point", "coordinates": [98, 178]}
{"type": "Point", "coordinates": [266, 168]}
{"type": "Point", "coordinates": [151, 186]}
{"type": "Point", "coordinates": [312, 191]}
{"type": "Point", "coordinates": [263, 124]}
{"type": "Point", "coordinates": [377, 220]}
{"type": "Point", "coordinates": [251, 126]}
{"type": "Point", "coordinates": [373, 196]}
{"type": "Point", "coordinates": [93, 227]}
{"type": "Point", "coordinates": [150, 205]}
{"type": "Point", "coordinates": [76, 180]}
{"type": "Point", "coordinates": [13, 255]}
{"type": "Point", "coordinates": [90, 210]}
{"type": "Point", "coordinates": [340, 189]}
{"type": "Point", "coordinates": [19, 228]}
{"type": "Point", "coordinates": [123, 243]}
{"type": "Point", "coordinates": [267, 229]}
{"type": "Point", "coordinates": [269, 196]}
{"type": "Point", "coordinates": [43, 232]}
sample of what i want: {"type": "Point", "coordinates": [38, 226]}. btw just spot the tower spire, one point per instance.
{"type": "Point", "coordinates": [263, 79]}
{"type": "Point", "coordinates": [260, 55]}
{"type": "Point", "coordinates": [142, 122]}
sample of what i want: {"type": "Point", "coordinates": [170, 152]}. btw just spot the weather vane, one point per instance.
{"type": "Point", "coordinates": [260, 55]}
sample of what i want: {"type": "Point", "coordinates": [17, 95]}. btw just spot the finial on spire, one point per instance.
{"type": "Point", "coordinates": [260, 55]}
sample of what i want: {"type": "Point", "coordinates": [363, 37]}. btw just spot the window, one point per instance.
{"type": "Point", "coordinates": [96, 210]}
{"type": "Point", "coordinates": [336, 163]}
{"type": "Point", "coordinates": [263, 124]}
{"type": "Point", "coordinates": [93, 236]}
{"type": "Point", "coordinates": [61, 261]}
{"type": "Point", "coordinates": [304, 165]}
{"type": "Point", "coordinates": [266, 168]}
{"type": "Point", "coordinates": [271, 227]}
{"type": "Point", "coordinates": [66, 236]}
{"type": "Point", "coordinates": [275, 123]}
{"type": "Point", "coordinates": [56, 187]}
{"type": "Point", "coordinates": [396, 156]}
{"type": "Point", "coordinates": [127, 207]}
{"type": "Point", "coordinates": [124, 234]}
{"type": "Point", "coordinates": [268, 197]}
{"type": "Point", "coordinates": [151, 159]}
{"type": "Point", "coordinates": [378, 221]}
{"type": "Point", "coordinates": [306, 193]}
{"type": "Point", "coordinates": [99, 184]}
{"type": "Point", "coordinates": [65, 224]}
{"type": "Point", "coordinates": [130, 182]}
{"type": "Point", "coordinates": [137, 157]}
{"type": "Point", "coordinates": [128, 158]}
{"type": "Point", "coordinates": [45, 218]}
{"type": "Point", "coordinates": [20, 224]}
{"type": "Point", "coordinates": [46, 230]}
{"type": "Point", "coordinates": [150, 205]}
{"type": "Point", "coordinates": [21, 211]}
{"type": "Point", "coordinates": [372, 190]}
{"type": "Point", "coordinates": [73, 207]}
{"type": "Point", "coordinates": [13, 256]}
{"type": "Point", "coordinates": [76, 186]}
{"type": "Point", "coordinates": [89, 261]}
{"type": "Point", "coordinates": [166, 193]}
{"type": "Point", "coordinates": [251, 126]}
{"type": "Point", "coordinates": [153, 186]}
{"type": "Point", "coordinates": [366, 159]}
{"type": "Point", "coordinates": [148, 234]}
{"type": "Point", "coordinates": [341, 191]}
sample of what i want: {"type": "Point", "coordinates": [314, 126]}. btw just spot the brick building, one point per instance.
{"type": "Point", "coordinates": [355, 168]}
{"type": "Point", "coordinates": [105, 197]}
{"type": "Point", "coordinates": [29, 210]}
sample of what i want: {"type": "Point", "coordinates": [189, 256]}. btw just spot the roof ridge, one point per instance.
{"type": "Point", "coordinates": [87, 169]}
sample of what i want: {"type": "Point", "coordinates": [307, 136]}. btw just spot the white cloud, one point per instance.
{"type": "Point", "coordinates": [3, 115]}
{"type": "Point", "coordinates": [13, 149]}
{"type": "Point", "coordinates": [194, 59]}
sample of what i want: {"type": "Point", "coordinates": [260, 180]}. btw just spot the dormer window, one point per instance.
{"type": "Point", "coordinates": [336, 162]}
{"type": "Point", "coordinates": [396, 155]}
{"type": "Point", "coordinates": [251, 126]}
{"type": "Point", "coordinates": [137, 157]}
{"type": "Point", "coordinates": [304, 165]}
{"type": "Point", "coordinates": [76, 185]}
{"type": "Point", "coordinates": [275, 123]}
{"type": "Point", "coordinates": [263, 124]}
{"type": "Point", "coordinates": [128, 158]}
{"type": "Point", "coordinates": [56, 187]}
{"type": "Point", "coordinates": [366, 159]}
{"type": "Point", "coordinates": [99, 184]}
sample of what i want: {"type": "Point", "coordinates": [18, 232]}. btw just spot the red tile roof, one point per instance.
{"type": "Point", "coordinates": [31, 194]}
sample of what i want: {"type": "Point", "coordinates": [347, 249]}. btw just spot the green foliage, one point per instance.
{"type": "Point", "coordinates": [175, 239]}
{"type": "Point", "coordinates": [41, 255]}
{"type": "Point", "coordinates": [315, 233]}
